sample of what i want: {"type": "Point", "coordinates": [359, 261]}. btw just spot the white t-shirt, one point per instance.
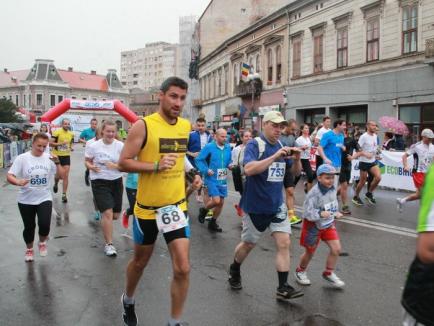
{"type": "Point", "coordinates": [321, 132]}
{"type": "Point", "coordinates": [203, 140]}
{"type": "Point", "coordinates": [424, 155]}
{"type": "Point", "coordinates": [39, 170]}
{"type": "Point", "coordinates": [304, 141]}
{"type": "Point", "coordinates": [102, 153]}
{"type": "Point", "coordinates": [369, 144]}
{"type": "Point", "coordinates": [47, 149]}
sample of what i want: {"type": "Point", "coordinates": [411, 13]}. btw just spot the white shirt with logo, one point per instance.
{"type": "Point", "coordinates": [321, 132]}
{"type": "Point", "coordinates": [424, 156]}
{"type": "Point", "coordinates": [203, 139]}
{"type": "Point", "coordinates": [304, 141]}
{"type": "Point", "coordinates": [40, 171]}
{"type": "Point", "coordinates": [369, 144]}
{"type": "Point", "coordinates": [102, 153]}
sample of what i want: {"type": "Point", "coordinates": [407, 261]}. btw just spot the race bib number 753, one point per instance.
{"type": "Point", "coordinates": [170, 218]}
{"type": "Point", "coordinates": [276, 172]}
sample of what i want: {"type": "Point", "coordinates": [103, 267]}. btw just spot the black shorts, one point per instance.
{"type": "Point", "coordinates": [64, 160]}
{"type": "Point", "coordinates": [363, 166]}
{"type": "Point", "coordinates": [345, 174]}
{"type": "Point", "coordinates": [108, 194]}
{"type": "Point", "coordinates": [288, 180]}
{"type": "Point", "coordinates": [145, 232]}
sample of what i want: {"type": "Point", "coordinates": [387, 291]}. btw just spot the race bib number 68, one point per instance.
{"type": "Point", "coordinates": [170, 218]}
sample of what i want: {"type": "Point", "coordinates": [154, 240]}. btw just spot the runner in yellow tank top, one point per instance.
{"type": "Point", "coordinates": [159, 142]}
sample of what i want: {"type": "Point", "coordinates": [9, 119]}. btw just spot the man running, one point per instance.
{"type": "Point", "coordinates": [368, 143]}
{"type": "Point", "coordinates": [288, 139]}
{"type": "Point", "coordinates": [264, 165]}
{"type": "Point", "coordinates": [423, 155]}
{"type": "Point", "coordinates": [327, 122]}
{"type": "Point", "coordinates": [62, 140]}
{"type": "Point", "coordinates": [197, 140]}
{"type": "Point", "coordinates": [86, 135]}
{"type": "Point", "coordinates": [159, 141]}
{"type": "Point", "coordinates": [213, 162]}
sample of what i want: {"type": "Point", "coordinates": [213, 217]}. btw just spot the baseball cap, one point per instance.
{"type": "Point", "coordinates": [325, 169]}
{"type": "Point", "coordinates": [427, 133]}
{"type": "Point", "coordinates": [274, 116]}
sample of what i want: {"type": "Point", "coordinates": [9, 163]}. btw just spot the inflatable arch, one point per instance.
{"type": "Point", "coordinates": [67, 104]}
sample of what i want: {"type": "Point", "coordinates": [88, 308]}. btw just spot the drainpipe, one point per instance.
{"type": "Point", "coordinates": [286, 105]}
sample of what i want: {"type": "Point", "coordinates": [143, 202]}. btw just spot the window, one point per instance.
{"type": "Point", "coordinates": [314, 116]}
{"type": "Point", "coordinates": [135, 75]}
{"type": "Point", "coordinates": [135, 82]}
{"type": "Point", "coordinates": [373, 39]}
{"type": "Point", "coordinates": [24, 101]}
{"type": "Point", "coordinates": [278, 65]}
{"type": "Point", "coordinates": [59, 98]}
{"type": "Point", "coordinates": [258, 63]}
{"type": "Point", "coordinates": [318, 53]}
{"type": "Point", "coordinates": [52, 100]}
{"type": "Point", "coordinates": [38, 99]}
{"type": "Point", "coordinates": [342, 47]}
{"type": "Point", "coordinates": [252, 67]}
{"type": "Point", "coordinates": [270, 66]}
{"type": "Point", "coordinates": [235, 76]}
{"type": "Point", "coordinates": [296, 57]}
{"type": "Point", "coordinates": [17, 97]}
{"type": "Point", "coordinates": [409, 29]}
{"type": "Point", "coordinates": [416, 117]}
{"type": "Point", "coordinates": [219, 88]}
{"type": "Point", "coordinates": [357, 115]}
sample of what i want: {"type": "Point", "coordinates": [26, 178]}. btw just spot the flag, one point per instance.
{"type": "Point", "coordinates": [245, 69]}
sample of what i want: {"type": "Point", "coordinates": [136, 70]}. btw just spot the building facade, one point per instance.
{"type": "Point", "coordinates": [148, 67]}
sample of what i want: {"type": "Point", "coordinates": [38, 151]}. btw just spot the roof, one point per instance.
{"type": "Point", "coordinates": [84, 80]}
{"type": "Point", "coordinates": [13, 78]}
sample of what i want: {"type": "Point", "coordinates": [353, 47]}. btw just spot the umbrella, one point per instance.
{"type": "Point", "coordinates": [394, 125]}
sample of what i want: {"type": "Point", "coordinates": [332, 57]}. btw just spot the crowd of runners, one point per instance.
{"type": "Point", "coordinates": [166, 161]}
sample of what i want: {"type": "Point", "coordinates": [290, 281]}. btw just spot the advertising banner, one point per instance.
{"type": "Point", "coordinates": [92, 105]}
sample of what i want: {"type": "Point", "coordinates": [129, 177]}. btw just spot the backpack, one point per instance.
{"type": "Point", "coordinates": [261, 146]}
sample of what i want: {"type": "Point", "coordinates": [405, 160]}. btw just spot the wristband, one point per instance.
{"type": "Point", "coordinates": [156, 166]}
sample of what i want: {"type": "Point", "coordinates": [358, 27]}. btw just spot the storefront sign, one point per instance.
{"type": "Point", "coordinates": [264, 109]}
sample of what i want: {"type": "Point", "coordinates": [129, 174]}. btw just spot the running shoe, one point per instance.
{"type": "Point", "coordinates": [125, 219]}
{"type": "Point", "coordinates": [294, 220]}
{"type": "Point", "coordinates": [234, 279]}
{"type": "Point", "coordinates": [209, 215]}
{"type": "Point", "coordinates": [29, 256]}
{"type": "Point", "coordinates": [213, 226]}
{"type": "Point", "coordinates": [43, 252]}
{"type": "Point", "coordinates": [333, 280]}
{"type": "Point", "coordinates": [64, 199]}
{"type": "Point", "coordinates": [202, 214]}
{"type": "Point", "coordinates": [287, 292]}
{"type": "Point", "coordinates": [305, 187]}
{"type": "Point", "coordinates": [55, 188]}
{"type": "Point", "coordinates": [239, 210]}
{"type": "Point", "coordinates": [129, 314]}
{"type": "Point", "coordinates": [370, 198]}
{"type": "Point", "coordinates": [97, 216]}
{"type": "Point", "coordinates": [110, 250]}
{"type": "Point", "coordinates": [301, 278]}
{"type": "Point", "coordinates": [399, 205]}
{"type": "Point", "coordinates": [345, 210]}
{"type": "Point", "coordinates": [357, 201]}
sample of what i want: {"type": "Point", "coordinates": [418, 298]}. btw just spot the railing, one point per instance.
{"type": "Point", "coordinates": [196, 102]}
{"type": "Point", "coordinates": [245, 89]}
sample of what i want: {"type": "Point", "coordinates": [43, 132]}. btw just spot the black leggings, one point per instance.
{"type": "Point", "coordinates": [28, 214]}
{"type": "Point", "coordinates": [131, 195]}
{"type": "Point", "coordinates": [305, 165]}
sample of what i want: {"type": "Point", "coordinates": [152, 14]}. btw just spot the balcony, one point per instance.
{"type": "Point", "coordinates": [196, 102]}
{"type": "Point", "coordinates": [429, 51]}
{"type": "Point", "coordinates": [245, 89]}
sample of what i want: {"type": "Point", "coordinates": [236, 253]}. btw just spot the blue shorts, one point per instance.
{"type": "Point", "coordinates": [217, 190]}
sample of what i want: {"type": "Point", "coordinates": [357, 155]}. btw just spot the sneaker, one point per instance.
{"type": "Point", "coordinates": [129, 314]}
{"type": "Point", "coordinates": [202, 214]}
{"type": "Point", "coordinates": [234, 279]}
{"type": "Point", "coordinates": [334, 280]}
{"type": "Point", "coordinates": [43, 252]}
{"type": "Point", "coordinates": [213, 226]}
{"type": "Point", "coordinates": [64, 199]}
{"type": "Point", "coordinates": [399, 205]}
{"type": "Point", "coordinates": [110, 250]}
{"type": "Point", "coordinates": [294, 220]}
{"type": "Point", "coordinates": [287, 292]}
{"type": "Point", "coordinates": [305, 187]}
{"type": "Point", "coordinates": [209, 215]}
{"type": "Point", "coordinates": [55, 188]}
{"type": "Point", "coordinates": [357, 201]}
{"type": "Point", "coordinates": [97, 216]}
{"type": "Point", "coordinates": [239, 210]}
{"type": "Point", "coordinates": [370, 198]}
{"type": "Point", "coordinates": [125, 219]}
{"type": "Point", "coordinates": [345, 210]}
{"type": "Point", "coordinates": [29, 256]}
{"type": "Point", "coordinates": [301, 278]}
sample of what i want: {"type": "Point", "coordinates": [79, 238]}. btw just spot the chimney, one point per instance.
{"type": "Point", "coordinates": [70, 69]}
{"type": "Point", "coordinates": [93, 72]}
{"type": "Point", "coordinates": [5, 69]}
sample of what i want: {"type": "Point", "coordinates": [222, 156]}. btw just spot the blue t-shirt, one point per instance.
{"type": "Point", "coordinates": [132, 179]}
{"type": "Point", "coordinates": [87, 134]}
{"type": "Point", "coordinates": [263, 192]}
{"type": "Point", "coordinates": [332, 146]}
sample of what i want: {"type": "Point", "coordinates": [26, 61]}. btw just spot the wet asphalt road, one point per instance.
{"type": "Point", "coordinates": [77, 285]}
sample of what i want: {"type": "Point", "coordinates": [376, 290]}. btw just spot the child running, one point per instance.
{"type": "Point", "coordinates": [320, 211]}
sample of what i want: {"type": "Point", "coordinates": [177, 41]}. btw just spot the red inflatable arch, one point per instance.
{"type": "Point", "coordinates": [67, 104]}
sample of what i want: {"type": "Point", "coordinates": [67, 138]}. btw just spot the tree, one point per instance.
{"type": "Point", "coordinates": [8, 111]}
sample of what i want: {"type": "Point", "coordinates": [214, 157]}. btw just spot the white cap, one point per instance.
{"type": "Point", "coordinates": [274, 116]}
{"type": "Point", "coordinates": [427, 133]}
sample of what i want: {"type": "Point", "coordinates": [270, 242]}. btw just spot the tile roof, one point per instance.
{"type": "Point", "coordinates": [84, 80]}
{"type": "Point", "coordinates": [12, 78]}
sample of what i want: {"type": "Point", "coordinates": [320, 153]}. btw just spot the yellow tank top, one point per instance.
{"type": "Point", "coordinates": [164, 187]}
{"type": "Point", "coordinates": [61, 135]}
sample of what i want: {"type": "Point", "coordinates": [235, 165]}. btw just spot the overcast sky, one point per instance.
{"type": "Point", "coordinates": [86, 34]}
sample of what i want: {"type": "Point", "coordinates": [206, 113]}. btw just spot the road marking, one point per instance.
{"type": "Point", "coordinates": [361, 222]}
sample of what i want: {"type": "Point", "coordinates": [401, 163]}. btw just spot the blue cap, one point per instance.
{"type": "Point", "coordinates": [325, 169]}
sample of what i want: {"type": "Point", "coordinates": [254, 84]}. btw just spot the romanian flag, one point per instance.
{"type": "Point", "coordinates": [245, 69]}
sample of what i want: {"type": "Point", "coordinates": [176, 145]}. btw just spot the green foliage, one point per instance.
{"type": "Point", "coordinates": [8, 111]}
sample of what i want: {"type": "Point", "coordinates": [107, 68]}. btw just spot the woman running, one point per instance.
{"type": "Point", "coordinates": [101, 159]}
{"type": "Point", "coordinates": [32, 171]}
{"type": "Point", "coordinates": [305, 144]}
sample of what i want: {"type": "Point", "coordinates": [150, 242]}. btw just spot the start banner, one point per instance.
{"type": "Point", "coordinates": [392, 171]}
{"type": "Point", "coordinates": [92, 105]}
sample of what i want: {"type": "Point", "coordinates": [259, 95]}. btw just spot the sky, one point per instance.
{"type": "Point", "coordinates": [86, 34]}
